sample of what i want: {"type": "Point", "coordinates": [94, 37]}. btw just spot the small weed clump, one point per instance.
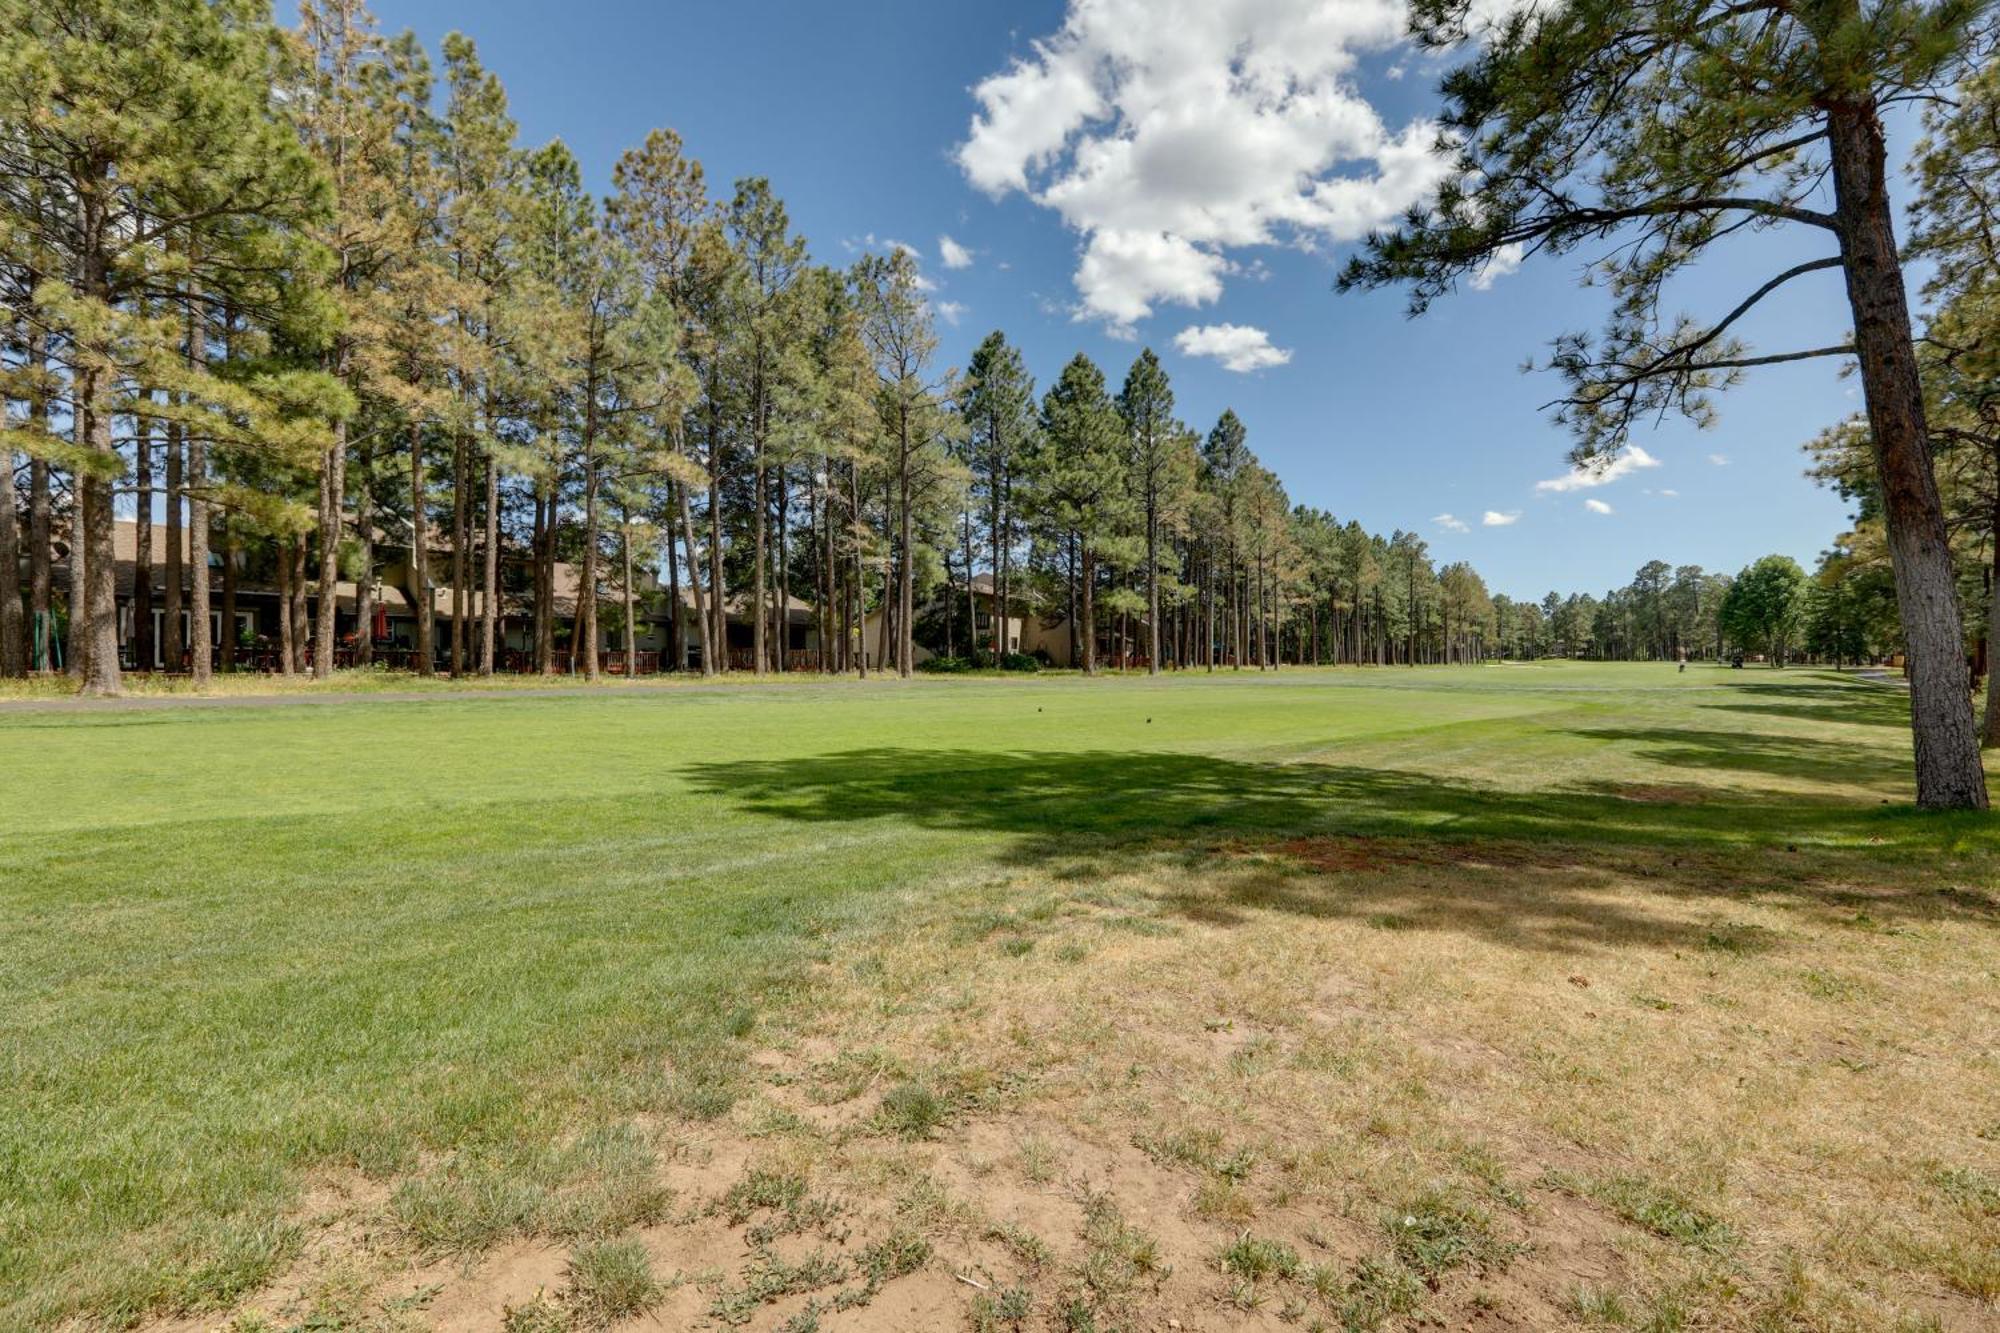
{"type": "Point", "coordinates": [912, 1111]}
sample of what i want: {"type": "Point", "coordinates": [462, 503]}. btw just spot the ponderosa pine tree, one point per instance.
{"type": "Point", "coordinates": [1669, 125]}
{"type": "Point", "coordinates": [126, 125]}
{"type": "Point", "coordinates": [482, 166]}
{"type": "Point", "coordinates": [1078, 463]}
{"type": "Point", "coordinates": [1146, 403]}
{"type": "Point", "coordinates": [997, 400]}
{"type": "Point", "coordinates": [772, 259]}
{"type": "Point", "coordinates": [346, 122]}
{"type": "Point", "coordinates": [1958, 230]}
{"type": "Point", "coordinates": [902, 343]}
{"type": "Point", "coordinates": [658, 207]}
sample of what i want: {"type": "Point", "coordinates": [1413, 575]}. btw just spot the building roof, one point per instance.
{"type": "Point", "coordinates": [568, 582]}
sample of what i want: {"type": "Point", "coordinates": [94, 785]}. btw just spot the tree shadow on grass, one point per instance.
{"type": "Point", "coordinates": [1814, 759]}
{"type": "Point", "coordinates": [1536, 869]}
{"type": "Point", "coordinates": [1822, 701]}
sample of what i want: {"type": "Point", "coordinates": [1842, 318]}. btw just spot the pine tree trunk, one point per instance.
{"type": "Point", "coordinates": [13, 621]}
{"type": "Point", "coordinates": [172, 637]}
{"type": "Point", "coordinates": [708, 667]}
{"type": "Point", "coordinates": [718, 637]}
{"type": "Point", "coordinates": [781, 580]}
{"type": "Point", "coordinates": [76, 646]}
{"type": "Point", "coordinates": [301, 627]}
{"type": "Point", "coordinates": [760, 642]}
{"type": "Point", "coordinates": [676, 654]}
{"type": "Point", "coordinates": [1946, 740]}
{"type": "Point", "coordinates": [585, 642]}
{"type": "Point", "coordinates": [41, 549]}
{"type": "Point", "coordinates": [631, 606]}
{"type": "Point", "coordinates": [142, 550]}
{"type": "Point", "coordinates": [461, 541]}
{"type": "Point", "coordinates": [857, 593]}
{"type": "Point", "coordinates": [906, 578]}
{"type": "Point", "coordinates": [489, 610]}
{"type": "Point", "coordinates": [231, 561]}
{"type": "Point", "coordinates": [1089, 611]}
{"type": "Point", "coordinates": [195, 482]}
{"type": "Point", "coordinates": [1990, 736]}
{"type": "Point", "coordinates": [284, 557]}
{"type": "Point", "coordinates": [332, 497]}
{"type": "Point", "coordinates": [364, 578]}
{"type": "Point", "coordinates": [420, 553]}
{"type": "Point", "coordinates": [1152, 586]}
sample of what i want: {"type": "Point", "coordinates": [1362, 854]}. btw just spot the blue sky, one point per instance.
{"type": "Point", "coordinates": [858, 112]}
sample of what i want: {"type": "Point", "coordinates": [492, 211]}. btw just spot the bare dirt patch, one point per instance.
{"type": "Point", "coordinates": [1105, 1110]}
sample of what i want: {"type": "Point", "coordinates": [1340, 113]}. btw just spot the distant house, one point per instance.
{"type": "Point", "coordinates": [1027, 632]}
{"type": "Point", "coordinates": [254, 607]}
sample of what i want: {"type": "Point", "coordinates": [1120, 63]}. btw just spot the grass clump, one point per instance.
{"type": "Point", "coordinates": [610, 1280]}
{"type": "Point", "coordinates": [1436, 1232]}
{"type": "Point", "coordinates": [1252, 1258]}
{"type": "Point", "coordinates": [912, 1111]}
{"type": "Point", "coordinates": [1006, 1309]}
{"type": "Point", "coordinates": [1657, 1208]}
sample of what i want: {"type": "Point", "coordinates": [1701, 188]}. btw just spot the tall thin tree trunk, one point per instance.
{"type": "Point", "coordinates": [858, 607]}
{"type": "Point", "coordinates": [760, 639]}
{"type": "Point", "coordinates": [195, 482]}
{"type": "Point", "coordinates": [285, 646]}
{"type": "Point", "coordinates": [1946, 739]}
{"type": "Point", "coordinates": [489, 609]}
{"type": "Point", "coordinates": [906, 578]}
{"type": "Point", "coordinates": [783, 573]}
{"type": "Point", "coordinates": [461, 542]}
{"type": "Point", "coordinates": [41, 552]}
{"type": "Point", "coordinates": [1089, 610]}
{"type": "Point", "coordinates": [142, 541]}
{"type": "Point", "coordinates": [1152, 583]}
{"type": "Point", "coordinates": [675, 653]}
{"type": "Point", "coordinates": [232, 561]}
{"type": "Point", "coordinates": [173, 638]}
{"type": "Point", "coordinates": [364, 576]}
{"type": "Point", "coordinates": [13, 620]}
{"type": "Point", "coordinates": [708, 666]}
{"type": "Point", "coordinates": [631, 605]}
{"type": "Point", "coordinates": [76, 649]}
{"type": "Point", "coordinates": [420, 552]}
{"type": "Point", "coordinates": [301, 626]}
{"type": "Point", "coordinates": [332, 499]}
{"type": "Point", "coordinates": [1990, 736]}
{"type": "Point", "coordinates": [716, 594]}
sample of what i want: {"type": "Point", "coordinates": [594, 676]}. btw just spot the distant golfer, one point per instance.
{"type": "Point", "coordinates": [1682, 656]}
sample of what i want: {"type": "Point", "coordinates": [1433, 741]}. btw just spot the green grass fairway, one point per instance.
{"type": "Point", "coordinates": [480, 950]}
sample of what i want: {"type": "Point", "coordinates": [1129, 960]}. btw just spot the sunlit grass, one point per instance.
{"type": "Point", "coordinates": [459, 945]}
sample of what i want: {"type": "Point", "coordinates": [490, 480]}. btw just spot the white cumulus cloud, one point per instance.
{"type": "Point", "coordinates": [953, 255]}
{"type": "Point", "coordinates": [1495, 519]}
{"type": "Point", "coordinates": [1597, 506]}
{"type": "Point", "coordinates": [1452, 523]}
{"type": "Point", "coordinates": [951, 312]}
{"type": "Point", "coordinates": [1586, 476]}
{"type": "Point", "coordinates": [1720, 460]}
{"type": "Point", "coordinates": [1169, 133]}
{"type": "Point", "coordinates": [1239, 347]}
